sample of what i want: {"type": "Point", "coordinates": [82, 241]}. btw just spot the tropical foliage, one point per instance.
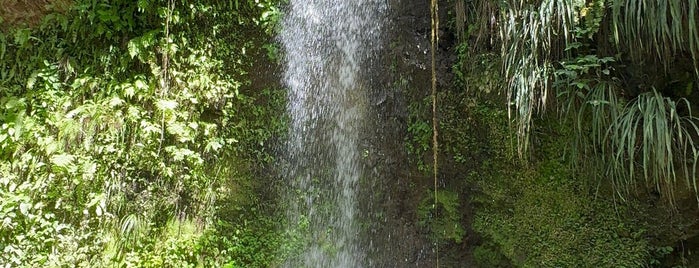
{"type": "Point", "coordinates": [597, 63]}
{"type": "Point", "coordinates": [600, 96]}
{"type": "Point", "coordinates": [119, 151]}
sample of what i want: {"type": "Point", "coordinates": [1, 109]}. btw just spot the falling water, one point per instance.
{"type": "Point", "coordinates": [328, 44]}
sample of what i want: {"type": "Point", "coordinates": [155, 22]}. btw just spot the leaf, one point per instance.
{"type": "Point", "coordinates": [129, 91]}
{"type": "Point", "coordinates": [133, 48]}
{"type": "Point", "coordinates": [580, 85]}
{"type": "Point", "coordinates": [142, 5]}
{"type": "Point", "coordinates": [24, 208]}
{"type": "Point", "coordinates": [176, 128]}
{"type": "Point", "coordinates": [3, 44]}
{"type": "Point", "coordinates": [62, 160]}
{"type": "Point", "coordinates": [140, 84]}
{"type": "Point", "coordinates": [166, 105]}
{"type": "Point", "coordinates": [213, 145]}
{"type": "Point", "coordinates": [22, 36]}
{"type": "Point", "coordinates": [14, 103]}
{"type": "Point", "coordinates": [95, 199]}
{"type": "Point", "coordinates": [89, 168]}
{"type": "Point", "coordinates": [32, 80]}
{"type": "Point", "coordinates": [133, 113]}
{"type": "Point", "coordinates": [115, 102]}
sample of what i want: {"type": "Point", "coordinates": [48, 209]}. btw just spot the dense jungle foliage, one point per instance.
{"type": "Point", "coordinates": [126, 132]}
{"type": "Point", "coordinates": [592, 161]}
{"type": "Point", "coordinates": [132, 134]}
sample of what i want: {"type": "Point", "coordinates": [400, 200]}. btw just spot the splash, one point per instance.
{"type": "Point", "coordinates": [327, 44]}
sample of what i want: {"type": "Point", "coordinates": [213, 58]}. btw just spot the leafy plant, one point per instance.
{"type": "Point", "coordinates": [533, 35]}
{"type": "Point", "coordinates": [104, 148]}
{"type": "Point", "coordinates": [544, 216]}
{"type": "Point", "coordinates": [651, 130]}
{"type": "Point", "coordinates": [420, 138]}
{"type": "Point", "coordinates": [660, 28]}
{"type": "Point", "coordinates": [441, 216]}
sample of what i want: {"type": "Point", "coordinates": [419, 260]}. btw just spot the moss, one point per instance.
{"type": "Point", "coordinates": [441, 218]}
{"type": "Point", "coordinates": [488, 255]}
{"type": "Point", "coordinates": [537, 214]}
{"type": "Point", "coordinates": [543, 215]}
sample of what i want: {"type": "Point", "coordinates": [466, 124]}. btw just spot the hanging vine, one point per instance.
{"type": "Point", "coordinates": [434, 10]}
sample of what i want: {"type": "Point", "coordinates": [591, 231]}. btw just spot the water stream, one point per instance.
{"type": "Point", "coordinates": [327, 45]}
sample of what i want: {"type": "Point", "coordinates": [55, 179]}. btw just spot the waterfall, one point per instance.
{"type": "Point", "coordinates": [327, 45]}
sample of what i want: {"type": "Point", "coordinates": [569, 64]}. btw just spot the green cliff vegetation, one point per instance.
{"type": "Point", "coordinates": [568, 129]}
{"type": "Point", "coordinates": [143, 134]}
{"type": "Point", "coordinates": [129, 136]}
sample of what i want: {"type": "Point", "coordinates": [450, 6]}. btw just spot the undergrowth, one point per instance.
{"type": "Point", "coordinates": [119, 121]}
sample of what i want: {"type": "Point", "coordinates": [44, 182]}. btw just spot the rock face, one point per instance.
{"type": "Point", "coordinates": [394, 187]}
{"type": "Point", "coordinates": [15, 12]}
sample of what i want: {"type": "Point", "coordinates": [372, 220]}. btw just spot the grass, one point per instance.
{"type": "Point", "coordinates": [650, 131]}
{"type": "Point", "coordinates": [664, 28]}
{"type": "Point", "coordinates": [530, 37]}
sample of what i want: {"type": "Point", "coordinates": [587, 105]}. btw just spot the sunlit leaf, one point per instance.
{"type": "Point", "coordinates": [115, 101]}
{"type": "Point", "coordinates": [24, 208]}
{"type": "Point", "coordinates": [134, 48]}
{"type": "Point", "coordinates": [129, 91]}
{"type": "Point", "coordinates": [62, 160]}
{"type": "Point", "coordinates": [166, 105]}
{"type": "Point", "coordinates": [140, 84]}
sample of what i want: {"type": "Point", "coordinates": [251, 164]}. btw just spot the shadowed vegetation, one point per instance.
{"type": "Point", "coordinates": [574, 54]}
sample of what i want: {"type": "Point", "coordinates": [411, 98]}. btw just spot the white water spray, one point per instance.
{"type": "Point", "coordinates": [328, 44]}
